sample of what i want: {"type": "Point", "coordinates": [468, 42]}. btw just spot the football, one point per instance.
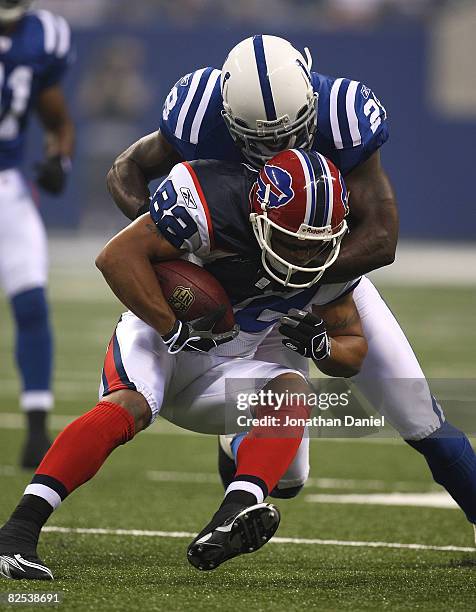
{"type": "Point", "coordinates": [192, 292]}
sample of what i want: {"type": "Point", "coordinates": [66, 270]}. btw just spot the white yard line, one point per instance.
{"type": "Point", "coordinates": [311, 483]}
{"type": "Point", "coordinates": [439, 499]}
{"type": "Point", "coordinates": [321, 483]}
{"type": "Point", "coordinates": [275, 540]}
{"type": "Point", "coordinates": [8, 470]}
{"type": "Point", "coordinates": [16, 420]}
{"type": "Point", "coordinates": [64, 390]}
{"type": "Point", "coordinates": [418, 263]}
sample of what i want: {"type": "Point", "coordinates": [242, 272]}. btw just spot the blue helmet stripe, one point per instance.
{"type": "Point", "coordinates": [312, 216]}
{"type": "Point", "coordinates": [264, 78]}
{"type": "Point", "coordinates": [322, 221]}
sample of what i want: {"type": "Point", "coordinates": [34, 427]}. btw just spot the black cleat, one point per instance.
{"type": "Point", "coordinates": [243, 532]}
{"type": "Point", "coordinates": [18, 567]}
{"type": "Point", "coordinates": [34, 449]}
{"type": "Point", "coordinates": [18, 557]}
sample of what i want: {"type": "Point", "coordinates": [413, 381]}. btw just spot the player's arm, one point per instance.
{"type": "Point", "coordinates": [60, 134]}
{"type": "Point", "coordinates": [126, 264]}
{"type": "Point", "coordinates": [332, 336]}
{"type": "Point", "coordinates": [150, 157]}
{"type": "Point", "coordinates": [347, 343]}
{"type": "Point", "coordinates": [373, 222]}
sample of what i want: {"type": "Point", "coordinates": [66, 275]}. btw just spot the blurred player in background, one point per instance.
{"type": "Point", "coordinates": [264, 100]}
{"type": "Point", "coordinates": [34, 55]}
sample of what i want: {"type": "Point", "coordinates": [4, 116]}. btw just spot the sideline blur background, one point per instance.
{"type": "Point", "coordinates": [417, 55]}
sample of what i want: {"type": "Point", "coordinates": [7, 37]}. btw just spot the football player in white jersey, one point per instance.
{"type": "Point", "coordinates": [34, 55]}
{"type": "Point", "coordinates": [266, 98]}
{"type": "Point", "coordinates": [281, 230]}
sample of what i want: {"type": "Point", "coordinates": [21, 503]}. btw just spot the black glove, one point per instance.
{"type": "Point", "coordinates": [51, 174]}
{"type": "Point", "coordinates": [305, 334]}
{"type": "Point", "coordinates": [198, 335]}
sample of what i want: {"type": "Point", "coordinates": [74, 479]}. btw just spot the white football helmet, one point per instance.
{"type": "Point", "coordinates": [268, 99]}
{"type": "Point", "coordinates": [11, 10]}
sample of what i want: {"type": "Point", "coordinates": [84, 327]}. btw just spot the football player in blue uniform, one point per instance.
{"type": "Point", "coordinates": [276, 233]}
{"type": "Point", "coordinates": [34, 55]}
{"type": "Point", "coordinates": [266, 98]}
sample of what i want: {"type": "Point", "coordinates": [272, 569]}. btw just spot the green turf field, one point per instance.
{"type": "Point", "coordinates": [165, 482]}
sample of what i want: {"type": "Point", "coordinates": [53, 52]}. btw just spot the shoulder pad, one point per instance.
{"type": "Point", "coordinates": [180, 211]}
{"type": "Point", "coordinates": [350, 114]}
{"type": "Point", "coordinates": [187, 103]}
{"type": "Point", "coordinates": [56, 34]}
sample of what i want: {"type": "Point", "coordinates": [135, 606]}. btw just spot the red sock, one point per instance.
{"type": "Point", "coordinates": [268, 450]}
{"type": "Point", "coordinates": [80, 450]}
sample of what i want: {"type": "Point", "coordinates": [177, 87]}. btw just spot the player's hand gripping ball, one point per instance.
{"type": "Point", "coordinates": [306, 334]}
{"type": "Point", "coordinates": [204, 313]}
{"type": "Point", "coordinates": [198, 335]}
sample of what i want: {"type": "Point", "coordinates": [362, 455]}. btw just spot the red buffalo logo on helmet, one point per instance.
{"type": "Point", "coordinates": [280, 186]}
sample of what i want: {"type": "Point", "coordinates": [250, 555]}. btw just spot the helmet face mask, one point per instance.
{"type": "Point", "coordinates": [12, 10]}
{"type": "Point", "coordinates": [299, 206]}
{"type": "Point", "coordinates": [286, 272]}
{"type": "Point", "coordinates": [262, 143]}
{"type": "Point", "coordinates": [268, 98]}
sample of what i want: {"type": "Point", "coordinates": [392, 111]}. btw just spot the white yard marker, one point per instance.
{"type": "Point", "coordinates": [8, 470]}
{"type": "Point", "coordinates": [318, 483]}
{"type": "Point", "coordinates": [275, 540]}
{"type": "Point", "coordinates": [425, 500]}
{"type": "Point", "coordinates": [14, 420]}
{"type": "Point", "coordinates": [311, 483]}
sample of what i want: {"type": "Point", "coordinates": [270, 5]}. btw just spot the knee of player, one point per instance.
{"type": "Point", "coordinates": [30, 307]}
{"type": "Point", "coordinates": [135, 404]}
{"type": "Point", "coordinates": [289, 382]}
{"type": "Point", "coordinates": [442, 448]}
{"type": "Point", "coordinates": [291, 376]}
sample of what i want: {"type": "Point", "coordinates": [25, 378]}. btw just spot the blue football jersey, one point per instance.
{"type": "Point", "coordinates": [33, 57]}
{"type": "Point", "coordinates": [351, 121]}
{"type": "Point", "coordinates": [203, 208]}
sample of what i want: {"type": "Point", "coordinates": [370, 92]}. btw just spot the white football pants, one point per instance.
{"type": "Point", "coordinates": [23, 245]}
{"type": "Point", "coordinates": [391, 377]}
